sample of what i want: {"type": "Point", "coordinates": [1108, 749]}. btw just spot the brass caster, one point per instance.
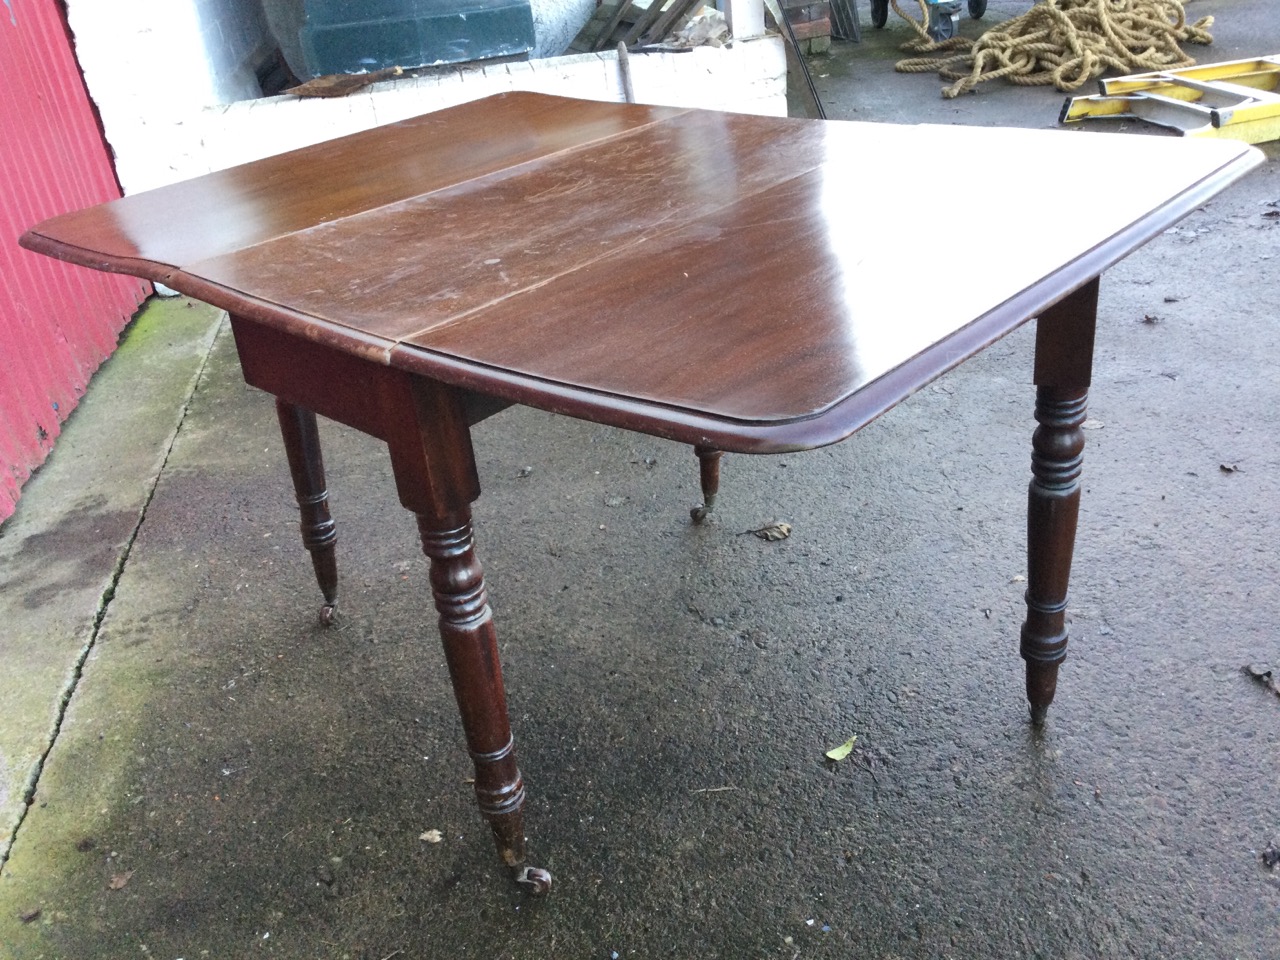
{"type": "Point", "coordinates": [703, 510]}
{"type": "Point", "coordinates": [535, 877]}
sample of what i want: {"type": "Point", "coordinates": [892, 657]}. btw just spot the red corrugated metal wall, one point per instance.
{"type": "Point", "coordinates": [57, 322]}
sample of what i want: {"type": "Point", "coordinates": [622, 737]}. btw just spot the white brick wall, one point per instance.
{"type": "Point", "coordinates": [749, 77]}
{"type": "Point", "coordinates": [171, 78]}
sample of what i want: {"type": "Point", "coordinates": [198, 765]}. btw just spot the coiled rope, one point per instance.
{"type": "Point", "coordinates": [1063, 42]}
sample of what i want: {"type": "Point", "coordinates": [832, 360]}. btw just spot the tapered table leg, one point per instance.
{"type": "Point", "coordinates": [306, 464]}
{"type": "Point", "coordinates": [1064, 360]}
{"type": "Point", "coordinates": [709, 475]}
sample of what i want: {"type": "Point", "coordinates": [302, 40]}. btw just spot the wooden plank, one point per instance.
{"type": "Point", "coordinates": [642, 26]}
{"type": "Point", "coordinates": [677, 10]}
{"type": "Point", "coordinates": [616, 19]}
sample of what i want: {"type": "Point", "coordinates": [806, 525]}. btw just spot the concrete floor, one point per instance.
{"type": "Point", "coordinates": [191, 767]}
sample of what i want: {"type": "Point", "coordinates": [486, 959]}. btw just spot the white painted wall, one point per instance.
{"type": "Point", "coordinates": [173, 81]}
{"type": "Point", "coordinates": [170, 53]}
{"type": "Point", "coordinates": [556, 23]}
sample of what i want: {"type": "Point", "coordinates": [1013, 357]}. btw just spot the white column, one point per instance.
{"type": "Point", "coordinates": [746, 18]}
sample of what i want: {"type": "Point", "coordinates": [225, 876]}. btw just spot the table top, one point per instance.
{"type": "Point", "coordinates": [756, 283]}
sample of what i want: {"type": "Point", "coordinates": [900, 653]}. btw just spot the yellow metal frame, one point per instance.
{"type": "Point", "coordinates": [1236, 100]}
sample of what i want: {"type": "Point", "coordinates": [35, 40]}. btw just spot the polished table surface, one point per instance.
{"type": "Point", "coordinates": [739, 283]}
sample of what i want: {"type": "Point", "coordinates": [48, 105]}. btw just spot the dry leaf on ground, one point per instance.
{"type": "Point", "coordinates": [118, 881]}
{"type": "Point", "coordinates": [842, 751]}
{"type": "Point", "coordinates": [778, 530]}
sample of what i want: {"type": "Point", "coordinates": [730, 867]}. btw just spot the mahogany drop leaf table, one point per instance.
{"type": "Point", "coordinates": [711, 278]}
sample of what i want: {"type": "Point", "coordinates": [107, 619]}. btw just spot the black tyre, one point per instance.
{"type": "Point", "coordinates": [880, 12]}
{"type": "Point", "coordinates": [977, 8]}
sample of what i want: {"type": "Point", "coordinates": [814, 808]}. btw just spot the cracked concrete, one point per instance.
{"type": "Point", "coordinates": [61, 559]}
{"type": "Point", "coordinates": [231, 779]}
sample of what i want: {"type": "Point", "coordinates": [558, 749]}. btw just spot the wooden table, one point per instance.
{"type": "Point", "coordinates": [738, 283]}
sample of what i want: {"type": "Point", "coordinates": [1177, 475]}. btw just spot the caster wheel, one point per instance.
{"type": "Point", "coordinates": [536, 878]}
{"type": "Point", "coordinates": [879, 13]}
{"type": "Point", "coordinates": [977, 8]}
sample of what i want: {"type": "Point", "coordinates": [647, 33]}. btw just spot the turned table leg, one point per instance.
{"type": "Point", "coordinates": [435, 473]}
{"type": "Point", "coordinates": [471, 650]}
{"type": "Point", "coordinates": [1064, 359]}
{"type": "Point", "coordinates": [306, 464]}
{"type": "Point", "coordinates": [709, 475]}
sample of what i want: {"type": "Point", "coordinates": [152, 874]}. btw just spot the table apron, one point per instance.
{"type": "Point", "coordinates": [349, 389]}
